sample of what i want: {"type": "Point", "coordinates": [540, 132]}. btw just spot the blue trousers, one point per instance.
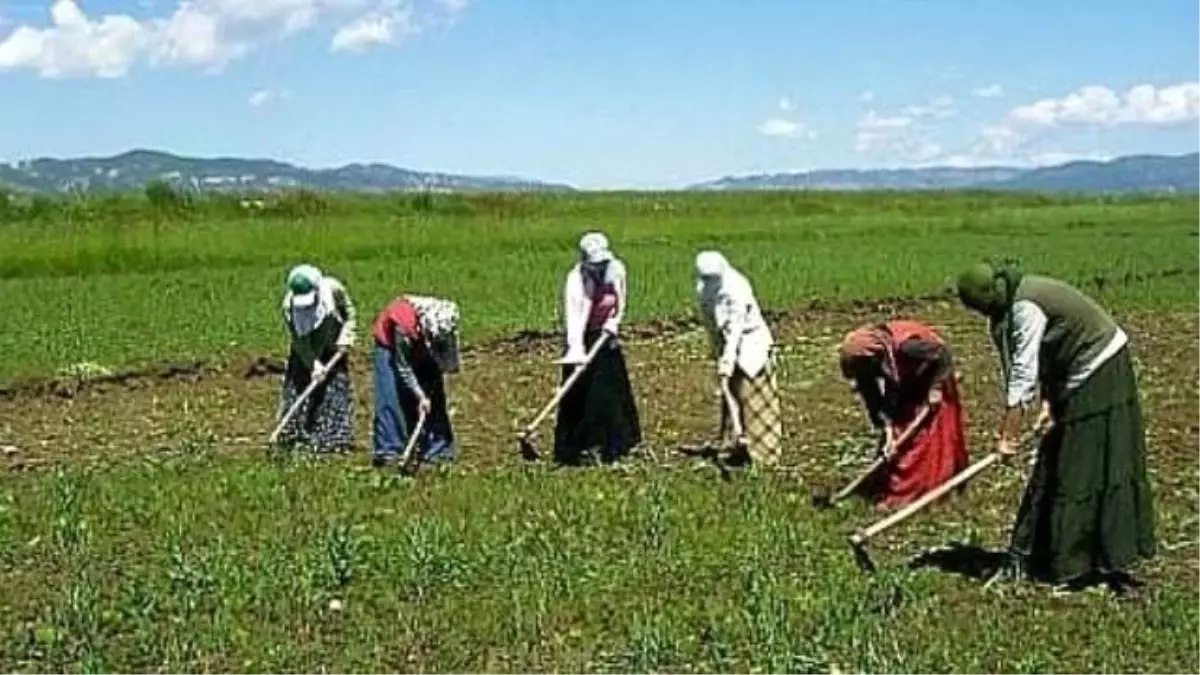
{"type": "Point", "coordinates": [396, 411]}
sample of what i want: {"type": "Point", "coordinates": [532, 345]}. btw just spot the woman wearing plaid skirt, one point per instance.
{"type": "Point", "coordinates": [742, 343]}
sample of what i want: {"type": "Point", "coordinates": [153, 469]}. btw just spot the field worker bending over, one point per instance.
{"type": "Point", "coordinates": [904, 375]}
{"type": "Point", "coordinates": [416, 343]}
{"type": "Point", "coordinates": [742, 343]}
{"type": "Point", "coordinates": [598, 415]}
{"type": "Point", "coordinates": [320, 319]}
{"type": "Point", "coordinates": [1087, 511]}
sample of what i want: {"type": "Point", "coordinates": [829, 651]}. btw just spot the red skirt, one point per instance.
{"type": "Point", "coordinates": [935, 454]}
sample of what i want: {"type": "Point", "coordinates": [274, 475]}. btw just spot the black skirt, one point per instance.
{"type": "Point", "coordinates": [1088, 507]}
{"type": "Point", "coordinates": [598, 418]}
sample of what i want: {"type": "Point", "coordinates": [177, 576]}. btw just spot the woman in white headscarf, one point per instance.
{"type": "Point", "coordinates": [742, 343]}
{"type": "Point", "coordinates": [598, 416]}
{"type": "Point", "coordinates": [320, 318]}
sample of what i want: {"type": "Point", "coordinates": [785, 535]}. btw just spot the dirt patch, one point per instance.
{"type": "Point", "coordinates": [231, 410]}
{"type": "Point", "coordinates": [504, 383]}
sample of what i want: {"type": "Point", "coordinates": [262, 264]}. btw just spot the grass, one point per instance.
{"type": "Point", "coordinates": [181, 553]}
{"type": "Point", "coordinates": [509, 570]}
{"type": "Point", "coordinates": [149, 290]}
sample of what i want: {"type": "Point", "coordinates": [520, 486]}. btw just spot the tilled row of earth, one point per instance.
{"type": "Point", "coordinates": [229, 407]}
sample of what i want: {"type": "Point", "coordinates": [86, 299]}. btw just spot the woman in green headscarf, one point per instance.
{"type": "Point", "coordinates": [1087, 512]}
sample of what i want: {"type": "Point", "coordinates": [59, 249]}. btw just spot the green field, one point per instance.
{"type": "Point", "coordinates": [134, 286]}
{"type": "Point", "coordinates": [143, 528]}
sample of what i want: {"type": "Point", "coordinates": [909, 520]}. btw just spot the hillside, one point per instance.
{"type": "Point", "coordinates": [132, 170]}
{"type": "Point", "coordinates": [1125, 174]}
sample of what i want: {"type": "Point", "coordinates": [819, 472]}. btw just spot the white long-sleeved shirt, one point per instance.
{"type": "Point", "coordinates": [1028, 330]}
{"type": "Point", "coordinates": [579, 296]}
{"type": "Point", "coordinates": [736, 329]}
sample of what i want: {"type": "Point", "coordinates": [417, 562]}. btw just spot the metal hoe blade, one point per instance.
{"type": "Point", "coordinates": [861, 557]}
{"type": "Point", "coordinates": [821, 499]}
{"type": "Point", "coordinates": [529, 451]}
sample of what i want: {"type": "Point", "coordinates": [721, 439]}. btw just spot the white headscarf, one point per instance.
{"type": "Point", "coordinates": [711, 270]}
{"type": "Point", "coordinates": [307, 310]}
{"type": "Point", "coordinates": [593, 248]}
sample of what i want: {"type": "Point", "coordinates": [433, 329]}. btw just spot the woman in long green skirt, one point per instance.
{"type": "Point", "coordinates": [1087, 513]}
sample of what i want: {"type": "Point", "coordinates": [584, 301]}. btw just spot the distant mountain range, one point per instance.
{"type": "Point", "coordinates": [132, 170]}
{"type": "Point", "coordinates": [1136, 173]}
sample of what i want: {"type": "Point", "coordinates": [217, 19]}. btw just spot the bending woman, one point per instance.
{"type": "Point", "coordinates": [320, 319]}
{"type": "Point", "coordinates": [741, 342]}
{"type": "Point", "coordinates": [904, 375]}
{"type": "Point", "coordinates": [416, 343]}
{"type": "Point", "coordinates": [1087, 510]}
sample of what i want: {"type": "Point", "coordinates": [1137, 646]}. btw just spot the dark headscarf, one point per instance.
{"type": "Point", "coordinates": [990, 291]}
{"type": "Point", "coordinates": [987, 289]}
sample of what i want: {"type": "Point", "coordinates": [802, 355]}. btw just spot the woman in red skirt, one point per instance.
{"type": "Point", "coordinates": [904, 375]}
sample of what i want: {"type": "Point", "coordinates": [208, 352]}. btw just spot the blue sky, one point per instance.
{"type": "Point", "coordinates": [632, 93]}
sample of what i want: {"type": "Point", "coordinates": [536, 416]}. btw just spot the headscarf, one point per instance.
{"type": "Point", "coordinates": [439, 320]}
{"type": "Point", "coordinates": [303, 281]}
{"type": "Point", "coordinates": [991, 291]}
{"type": "Point", "coordinates": [594, 257]}
{"type": "Point", "coordinates": [711, 265]}
{"type": "Point", "coordinates": [987, 289]}
{"type": "Point", "coordinates": [308, 301]}
{"type": "Point", "coordinates": [867, 345]}
{"type": "Point", "coordinates": [711, 269]}
{"type": "Point", "coordinates": [593, 249]}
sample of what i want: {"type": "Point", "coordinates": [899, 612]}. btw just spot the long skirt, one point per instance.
{"type": "Point", "coordinates": [760, 414]}
{"type": "Point", "coordinates": [935, 454]}
{"type": "Point", "coordinates": [598, 418]}
{"type": "Point", "coordinates": [397, 412]}
{"type": "Point", "coordinates": [1088, 508]}
{"type": "Point", "coordinates": [325, 421]}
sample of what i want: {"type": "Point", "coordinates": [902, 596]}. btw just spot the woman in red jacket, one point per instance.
{"type": "Point", "coordinates": [904, 375]}
{"type": "Point", "coordinates": [416, 343]}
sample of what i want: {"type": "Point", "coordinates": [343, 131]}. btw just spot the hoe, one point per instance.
{"type": "Point", "coordinates": [858, 540]}
{"type": "Point", "coordinates": [821, 499]}
{"type": "Point", "coordinates": [525, 438]}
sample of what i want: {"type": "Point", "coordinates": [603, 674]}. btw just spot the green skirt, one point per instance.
{"type": "Point", "coordinates": [1088, 508]}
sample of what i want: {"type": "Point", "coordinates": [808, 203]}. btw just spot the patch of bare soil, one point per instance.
{"type": "Point", "coordinates": [230, 408]}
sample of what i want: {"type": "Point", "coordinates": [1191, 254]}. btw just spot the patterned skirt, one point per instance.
{"type": "Point", "coordinates": [325, 421]}
{"type": "Point", "coordinates": [761, 416]}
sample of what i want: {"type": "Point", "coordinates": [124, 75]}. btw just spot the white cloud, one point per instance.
{"type": "Point", "coordinates": [260, 98]}
{"type": "Point", "coordinates": [1095, 107]}
{"type": "Point", "coordinates": [786, 128]}
{"type": "Point", "coordinates": [875, 131]}
{"type": "Point", "coordinates": [867, 96]}
{"type": "Point", "coordinates": [76, 45]}
{"type": "Point", "coordinates": [454, 7]}
{"type": "Point", "coordinates": [906, 136]}
{"type": "Point", "coordinates": [785, 104]}
{"type": "Point", "coordinates": [202, 33]}
{"type": "Point", "coordinates": [1048, 158]}
{"type": "Point", "coordinates": [990, 91]}
{"type": "Point", "coordinates": [386, 25]}
{"type": "Point", "coordinates": [267, 96]}
{"type": "Point", "coordinates": [941, 107]}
